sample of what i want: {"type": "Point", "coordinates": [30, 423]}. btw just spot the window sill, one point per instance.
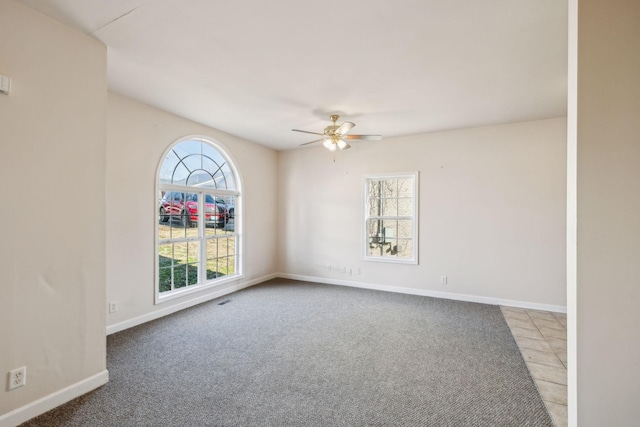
{"type": "Point", "coordinates": [179, 293]}
{"type": "Point", "coordinates": [391, 260]}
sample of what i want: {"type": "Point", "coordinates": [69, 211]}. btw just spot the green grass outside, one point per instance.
{"type": "Point", "coordinates": [182, 259]}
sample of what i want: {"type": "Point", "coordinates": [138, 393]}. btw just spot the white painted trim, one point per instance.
{"type": "Point", "coordinates": [572, 217]}
{"type": "Point", "coordinates": [182, 292]}
{"type": "Point", "coordinates": [130, 323]}
{"type": "Point", "coordinates": [428, 293]}
{"type": "Point", "coordinates": [53, 400]}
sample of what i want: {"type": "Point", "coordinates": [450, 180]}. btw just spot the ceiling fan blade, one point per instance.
{"type": "Point", "coordinates": [365, 137]}
{"type": "Point", "coordinates": [306, 131]}
{"type": "Point", "coordinates": [344, 128]}
{"type": "Point", "coordinates": [344, 146]}
{"type": "Point", "coordinates": [313, 142]}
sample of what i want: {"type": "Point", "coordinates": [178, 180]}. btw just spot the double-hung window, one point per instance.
{"type": "Point", "coordinates": [390, 218]}
{"type": "Point", "coordinates": [197, 220]}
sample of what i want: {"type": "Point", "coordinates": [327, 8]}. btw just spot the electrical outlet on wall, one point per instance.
{"type": "Point", "coordinates": [113, 306]}
{"type": "Point", "coordinates": [443, 280]}
{"type": "Point", "coordinates": [17, 377]}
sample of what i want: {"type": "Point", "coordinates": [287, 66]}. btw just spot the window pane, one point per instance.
{"type": "Point", "coordinates": [187, 157]}
{"type": "Point", "coordinates": [214, 230]}
{"type": "Point", "coordinates": [212, 269]}
{"type": "Point", "coordinates": [389, 207]}
{"type": "Point", "coordinates": [213, 155]}
{"type": "Point", "coordinates": [213, 169]}
{"type": "Point", "coordinates": [220, 256]}
{"type": "Point", "coordinates": [374, 228]}
{"type": "Point", "coordinates": [220, 180]}
{"type": "Point", "coordinates": [216, 215]}
{"type": "Point", "coordinates": [376, 250]}
{"type": "Point", "coordinates": [184, 215]}
{"type": "Point", "coordinates": [230, 183]}
{"type": "Point", "coordinates": [389, 230]}
{"type": "Point", "coordinates": [381, 236]}
{"type": "Point", "coordinates": [165, 255]}
{"type": "Point", "coordinates": [231, 206]}
{"type": "Point", "coordinates": [192, 251]}
{"type": "Point", "coordinates": [391, 249]}
{"type": "Point", "coordinates": [229, 246]}
{"type": "Point", "coordinates": [199, 178]}
{"type": "Point", "coordinates": [389, 188]}
{"type": "Point", "coordinates": [231, 265]}
{"type": "Point", "coordinates": [188, 147]}
{"type": "Point", "coordinates": [375, 189]}
{"type": "Point", "coordinates": [179, 276]}
{"type": "Point", "coordinates": [165, 279]}
{"type": "Point", "coordinates": [212, 258]}
{"type": "Point", "coordinates": [375, 206]}
{"type": "Point", "coordinates": [405, 207]}
{"type": "Point", "coordinates": [405, 248]}
{"type": "Point", "coordinates": [168, 165]}
{"type": "Point", "coordinates": [192, 162]}
{"type": "Point", "coordinates": [180, 175]}
{"type": "Point", "coordinates": [405, 187]}
{"type": "Point", "coordinates": [192, 278]}
{"type": "Point", "coordinates": [405, 228]}
{"type": "Point", "coordinates": [185, 252]}
{"type": "Point", "coordinates": [223, 266]}
{"type": "Point", "coordinates": [176, 220]}
{"type": "Point", "coordinates": [212, 249]}
{"type": "Point", "coordinates": [164, 231]}
{"type": "Point", "coordinates": [185, 259]}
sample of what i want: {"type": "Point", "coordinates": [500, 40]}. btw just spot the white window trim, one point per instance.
{"type": "Point", "coordinates": [181, 292]}
{"type": "Point", "coordinates": [365, 204]}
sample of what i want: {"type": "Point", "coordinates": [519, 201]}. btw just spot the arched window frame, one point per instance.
{"type": "Point", "coordinates": [198, 228]}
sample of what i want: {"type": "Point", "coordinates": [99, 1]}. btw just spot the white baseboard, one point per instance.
{"type": "Point", "coordinates": [427, 293]}
{"type": "Point", "coordinates": [156, 314]}
{"type": "Point", "coordinates": [129, 323]}
{"type": "Point", "coordinates": [42, 405]}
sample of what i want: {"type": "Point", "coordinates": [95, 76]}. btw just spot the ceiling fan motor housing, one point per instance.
{"type": "Point", "coordinates": [330, 130]}
{"type": "Point", "coordinates": [332, 139]}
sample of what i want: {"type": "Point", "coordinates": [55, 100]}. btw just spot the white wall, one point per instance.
{"type": "Point", "coordinates": [138, 136]}
{"type": "Point", "coordinates": [492, 211]}
{"type": "Point", "coordinates": [52, 166]}
{"type": "Point", "coordinates": [607, 124]}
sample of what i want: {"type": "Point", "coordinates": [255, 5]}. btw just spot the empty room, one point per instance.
{"type": "Point", "coordinates": [415, 213]}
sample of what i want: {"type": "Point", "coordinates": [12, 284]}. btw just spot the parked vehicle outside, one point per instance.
{"type": "Point", "coordinates": [184, 207]}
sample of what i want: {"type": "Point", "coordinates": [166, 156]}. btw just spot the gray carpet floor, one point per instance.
{"type": "Point", "coordinates": [288, 353]}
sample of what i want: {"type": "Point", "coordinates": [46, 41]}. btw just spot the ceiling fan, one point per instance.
{"type": "Point", "coordinates": [336, 137]}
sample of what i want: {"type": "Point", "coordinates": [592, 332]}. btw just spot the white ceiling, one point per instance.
{"type": "Point", "coordinates": [257, 68]}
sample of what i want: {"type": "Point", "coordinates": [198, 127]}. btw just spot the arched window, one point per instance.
{"type": "Point", "coordinates": [197, 238]}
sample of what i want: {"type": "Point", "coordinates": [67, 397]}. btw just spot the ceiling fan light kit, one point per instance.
{"type": "Point", "coordinates": [329, 145]}
{"type": "Point", "coordinates": [343, 145]}
{"type": "Point", "coordinates": [333, 137]}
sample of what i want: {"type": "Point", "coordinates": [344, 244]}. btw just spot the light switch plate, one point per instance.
{"type": "Point", "coordinates": [5, 84]}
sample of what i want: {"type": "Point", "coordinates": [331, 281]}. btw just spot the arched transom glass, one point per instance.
{"type": "Point", "coordinates": [196, 163]}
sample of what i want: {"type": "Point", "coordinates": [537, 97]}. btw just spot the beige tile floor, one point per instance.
{"type": "Point", "coordinates": [542, 339]}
